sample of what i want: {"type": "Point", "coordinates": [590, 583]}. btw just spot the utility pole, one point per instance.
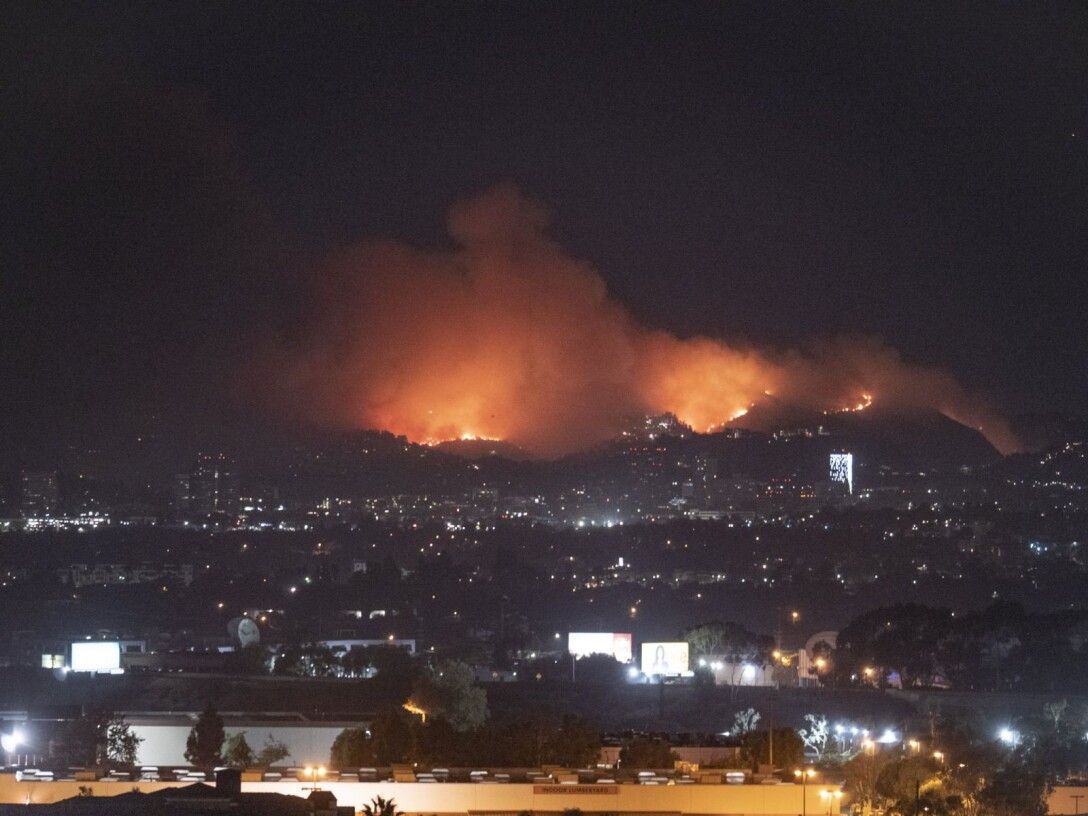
{"type": "Point", "coordinates": [770, 739]}
{"type": "Point", "coordinates": [770, 730]}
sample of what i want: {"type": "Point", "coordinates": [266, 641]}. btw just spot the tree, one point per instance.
{"type": "Point", "coordinates": [122, 745]}
{"type": "Point", "coordinates": [272, 752]}
{"type": "Point", "coordinates": [745, 721]}
{"type": "Point", "coordinates": [901, 780]}
{"type": "Point", "coordinates": [205, 741]}
{"type": "Point", "coordinates": [642, 752]}
{"type": "Point", "coordinates": [250, 659]}
{"type": "Point", "coordinates": [814, 735]}
{"type": "Point", "coordinates": [1055, 711]}
{"type": "Point", "coordinates": [861, 774]}
{"type": "Point", "coordinates": [394, 735]}
{"type": "Point", "coordinates": [352, 748]}
{"type": "Point", "coordinates": [789, 751]}
{"type": "Point", "coordinates": [705, 639]}
{"type": "Point", "coordinates": [1015, 791]}
{"type": "Point", "coordinates": [83, 741]}
{"type": "Point", "coordinates": [452, 694]}
{"type": "Point", "coordinates": [905, 639]}
{"type": "Point", "coordinates": [576, 744]}
{"type": "Point", "coordinates": [381, 807]}
{"type": "Point", "coordinates": [236, 751]}
{"type": "Point", "coordinates": [741, 647]}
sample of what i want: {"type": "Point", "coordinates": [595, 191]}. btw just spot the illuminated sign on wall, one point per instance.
{"type": "Point", "coordinates": [96, 656]}
{"type": "Point", "coordinates": [842, 470]}
{"type": "Point", "coordinates": [616, 644]}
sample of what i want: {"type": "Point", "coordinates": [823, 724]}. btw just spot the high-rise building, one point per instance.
{"type": "Point", "coordinates": [181, 493]}
{"type": "Point", "coordinates": [842, 470]}
{"type": "Point", "coordinates": [212, 487]}
{"type": "Point", "coordinates": [40, 493]}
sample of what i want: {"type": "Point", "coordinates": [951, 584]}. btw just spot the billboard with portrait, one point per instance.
{"type": "Point", "coordinates": [664, 659]}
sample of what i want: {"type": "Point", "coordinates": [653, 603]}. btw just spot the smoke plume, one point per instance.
{"type": "Point", "coordinates": [505, 336]}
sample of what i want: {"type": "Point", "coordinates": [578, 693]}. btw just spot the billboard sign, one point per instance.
{"type": "Point", "coordinates": [615, 644]}
{"type": "Point", "coordinates": [96, 656]}
{"type": "Point", "coordinates": [665, 659]}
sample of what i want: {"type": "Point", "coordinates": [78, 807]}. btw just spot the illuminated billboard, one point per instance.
{"type": "Point", "coordinates": [96, 656]}
{"type": "Point", "coordinates": [842, 470]}
{"type": "Point", "coordinates": [616, 644]}
{"type": "Point", "coordinates": [665, 658]}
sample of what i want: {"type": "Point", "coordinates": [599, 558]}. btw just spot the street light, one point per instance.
{"type": "Point", "coordinates": [314, 772]}
{"type": "Point", "coordinates": [9, 742]}
{"type": "Point", "coordinates": [804, 775]}
{"type": "Point", "coordinates": [1009, 736]}
{"type": "Point", "coordinates": [831, 796]}
{"type": "Point", "coordinates": [939, 756]}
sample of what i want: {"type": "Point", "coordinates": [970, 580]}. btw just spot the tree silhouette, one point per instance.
{"type": "Point", "coordinates": [205, 741]}
{"type": "Point", "coordinates": [379, 806]}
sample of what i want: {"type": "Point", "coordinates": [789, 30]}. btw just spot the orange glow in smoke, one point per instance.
{"type": "Point", "coordinates": [506, 337]}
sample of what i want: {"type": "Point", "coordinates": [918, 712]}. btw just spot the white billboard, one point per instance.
{"type": "Point", "coordinates": [96, 656]}
{"type": "Point", "coordinates": [616, 644]}
{"type": "Point", "coordinates": [665, 659]}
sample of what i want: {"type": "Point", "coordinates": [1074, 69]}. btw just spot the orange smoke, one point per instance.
{"type": "Point", "coordinates": [505, 336]}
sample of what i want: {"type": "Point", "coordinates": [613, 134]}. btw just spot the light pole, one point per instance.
{"type": "Point", "coordinates": [831, 796]}
{"type": "Point", "coordinates": [804, 774]}
{"type": "Point", "coordinates": [314, 772]}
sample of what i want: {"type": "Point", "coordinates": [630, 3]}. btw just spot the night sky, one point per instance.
{"type": "Point", "coordinates": [172, 173]}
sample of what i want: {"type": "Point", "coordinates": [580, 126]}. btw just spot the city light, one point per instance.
{"type": "Point", "coordinates": [1009, 736]}
{"type": "Point", "coordinates": [9, 742]}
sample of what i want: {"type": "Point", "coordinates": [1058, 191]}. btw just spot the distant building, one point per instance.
{"type": "Point", "coordinates": [181, 492]}
{"type": "Point", "coordinates": [40, 493]}
{"type": "Point", "coordinates": [841, 470]}
{"type": "Point", "coordinates": [212, 487]}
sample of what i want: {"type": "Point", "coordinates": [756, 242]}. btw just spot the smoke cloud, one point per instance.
{"type": "Point", "coordinates": [506, 336]}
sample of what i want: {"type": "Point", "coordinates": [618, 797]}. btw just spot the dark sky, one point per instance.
{"type": "Point", "coordinates": [767, 172]}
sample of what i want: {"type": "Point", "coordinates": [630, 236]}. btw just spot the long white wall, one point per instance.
{"type": "Point", "coordinates": [447, 798]}
{"type": "Point", "coordinates": [309, 743]}
{"type": "Point", "coordinates": [417, 798]}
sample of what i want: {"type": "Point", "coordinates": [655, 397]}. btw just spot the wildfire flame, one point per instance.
{"type": "Point", "coordinates": [865, 401]}
{"type": "Point", "coordinates": [506, 337]}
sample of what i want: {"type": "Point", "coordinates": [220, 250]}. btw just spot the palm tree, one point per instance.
{"type": "Point", "coordinates": [381, 807]}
